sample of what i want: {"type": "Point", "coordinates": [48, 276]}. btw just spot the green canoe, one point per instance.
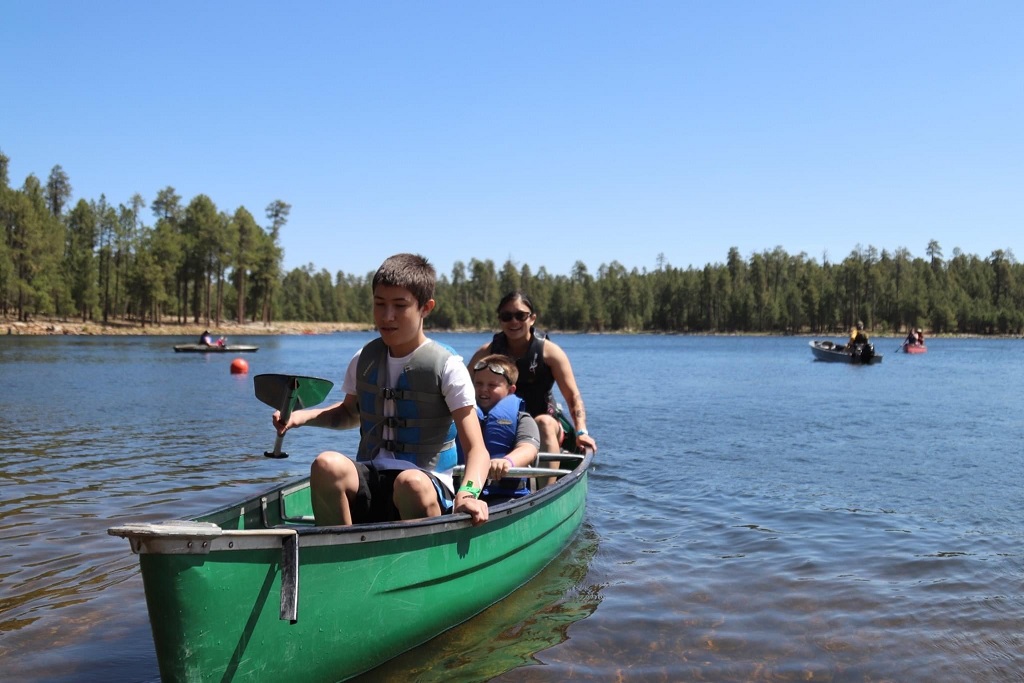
{"type": "Point", "coordinates": [255, 591]}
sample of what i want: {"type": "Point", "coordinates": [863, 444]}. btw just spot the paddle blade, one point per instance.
{"type": "Point", "coordinates": [310, 391]}
{"type": "Point", "coordinates": [286, 393]}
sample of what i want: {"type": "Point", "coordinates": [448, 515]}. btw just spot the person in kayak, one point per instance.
{"type": "Point", "coordinates": [510, 433]}
{"type": "Point", "coordinates": [911, 337]}
{"type": "Point", "coordinates": [206, 339]}
{"type": "Point", "coordinates": [541, 364]}
{"type": "Point", "coordinates": [411, 398]}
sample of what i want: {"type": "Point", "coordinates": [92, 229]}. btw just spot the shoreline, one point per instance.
{"type": "Point", "coordinates": [172, 328]}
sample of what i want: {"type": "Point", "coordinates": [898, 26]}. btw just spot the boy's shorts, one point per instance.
{"type": "Point", "coordinates": [375, 498]}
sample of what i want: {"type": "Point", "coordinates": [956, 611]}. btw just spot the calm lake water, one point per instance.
{"type": "Point", "coordinates": [754, 515]}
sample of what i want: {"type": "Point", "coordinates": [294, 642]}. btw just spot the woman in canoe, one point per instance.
{"type": "Point", "coordinates": [542, 364]}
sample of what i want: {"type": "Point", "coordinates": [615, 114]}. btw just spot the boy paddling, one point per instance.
{"type": "Point", "coordinates": [411, 398]}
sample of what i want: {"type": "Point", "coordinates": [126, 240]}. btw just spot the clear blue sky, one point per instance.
{"type": "Point", "coordinates": [545, 132]}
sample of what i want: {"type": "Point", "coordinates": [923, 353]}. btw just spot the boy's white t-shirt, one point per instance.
{"type": "Point", "coordinates": [456, 386]}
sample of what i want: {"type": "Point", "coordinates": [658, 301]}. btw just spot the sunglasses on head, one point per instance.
{"type": "Point", "coordinates": [493, 367]}
{"type": "Point", "coordinates": [507, 316]}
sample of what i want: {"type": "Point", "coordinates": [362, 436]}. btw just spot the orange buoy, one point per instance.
{"type": "Point", "coordinates": [239, 366]}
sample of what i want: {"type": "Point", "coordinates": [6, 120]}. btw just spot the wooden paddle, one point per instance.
{"type": "Point", "coordinates": [286, 393]}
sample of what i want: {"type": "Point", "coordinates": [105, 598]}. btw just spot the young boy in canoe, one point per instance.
{"type": "Point", "coordinates": [411, 397]}
{"type": "Point", "coordinates": [510, 433]}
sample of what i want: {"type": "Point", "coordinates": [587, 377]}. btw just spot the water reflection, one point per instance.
{"type": "Point", "coordinates": [514, 632]}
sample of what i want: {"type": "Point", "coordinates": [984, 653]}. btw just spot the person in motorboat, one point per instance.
{"type": "Point", "coordinates": [541, 363]}
{"type": "Point", "coordinates": [411, 398]}
{"type": "Point", "coordinates": [510, 433]}
{"type": "Point", "coordinates": [857, 336]}
{"type": "Point", "coordinates": [859, 347]}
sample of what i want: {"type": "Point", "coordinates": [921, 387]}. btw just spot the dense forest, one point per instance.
{"type": "Point", "coordinates": [193, 262]}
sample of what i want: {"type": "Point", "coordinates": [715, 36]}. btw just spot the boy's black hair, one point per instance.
{"type": "Point", "coordinates": [409, 271]}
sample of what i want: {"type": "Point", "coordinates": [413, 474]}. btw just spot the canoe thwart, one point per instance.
{"type": "Point", "coordinates": [522, 472]}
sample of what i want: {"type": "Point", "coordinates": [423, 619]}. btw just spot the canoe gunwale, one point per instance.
{"type": "Point", "coordinates": [192, 537]}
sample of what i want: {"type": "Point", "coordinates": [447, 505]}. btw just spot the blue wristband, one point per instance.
{"type": "Point", "coordinates": [581, 432]}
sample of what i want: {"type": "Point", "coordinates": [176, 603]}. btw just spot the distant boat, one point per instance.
{"type": "Point", "coordinates": [830, 352]}
{"type": "Point", "coordinates": [914, 348]}
{"type": "Point", "coordinates": [204, 348]}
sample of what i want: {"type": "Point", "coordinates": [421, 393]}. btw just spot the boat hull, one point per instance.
{"type": "Point", "coordinates": [262, 593]}
{"type": "Point", "coordinates": [202, 348]}
{"type": "Point", "coordinates": [836, 353]}
{"type": "Point", "coordinates": [915, 348]}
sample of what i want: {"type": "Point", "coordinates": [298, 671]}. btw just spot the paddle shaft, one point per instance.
{"type": "Point", "coordinates": [286, 412]}
{"type": "Point", "coordinates": [276, 453]}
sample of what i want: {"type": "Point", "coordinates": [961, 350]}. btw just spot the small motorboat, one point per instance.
{"type": "Point", "coordinates": [830, 352]}
{"type": "Point", "coordinates": [214, 348]}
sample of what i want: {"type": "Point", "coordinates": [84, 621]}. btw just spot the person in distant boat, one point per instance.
{"type": "Point", "coordinates": [206, 339]}
{"type": "Point", "coordinates": [857, 336]}
{"type": "Point", "coordinates": [510, 433]}
{"type": "Point", "coordinates": [920, 336]}
{"type": "Point", "coordinates": [541, 364]}
{"type": "Point", "coordinates": [911, 337]}
{"type": "Point", "coordinates": [411, 398]}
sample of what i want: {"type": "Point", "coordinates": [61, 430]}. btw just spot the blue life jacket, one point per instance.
{"type": "Point", "coordinates": [499, 426]}
{"type": "Point", "coordinates": [424, 431]}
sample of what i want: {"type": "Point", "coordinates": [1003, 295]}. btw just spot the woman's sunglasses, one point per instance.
{"type": "Point", "coordinates": [493, 367]}
{"type": "Point", "coordinates": [521, 316]}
